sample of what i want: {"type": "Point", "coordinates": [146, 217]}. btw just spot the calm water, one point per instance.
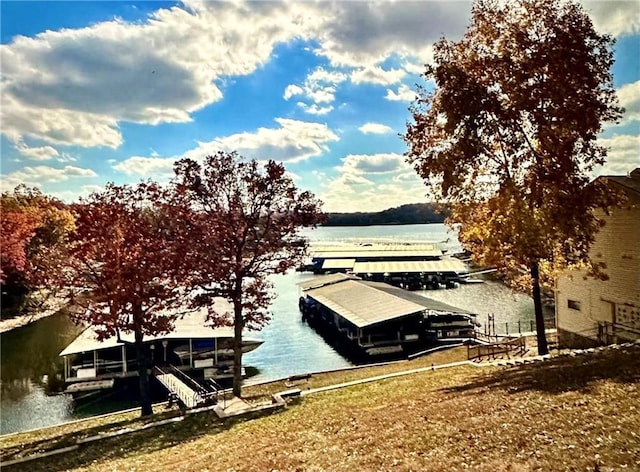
{"type": "Point", "coordinates": [30, 354]}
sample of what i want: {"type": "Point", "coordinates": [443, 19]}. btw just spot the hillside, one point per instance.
{"type": "Point", "coordinates": [570, 413]}
{"type": "Point", "coordinates": [416, 213]}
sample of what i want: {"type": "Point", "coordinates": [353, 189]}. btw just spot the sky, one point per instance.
{"type": "Point", "coordinates": [117, 91]}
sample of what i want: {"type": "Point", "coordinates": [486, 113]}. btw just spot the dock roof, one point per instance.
{"type": "Point", "coordinates": [361, 304]}
{"type": "Point", "coordinates": [190, 326]}
{"type": "Point", "coordinates": [329, 264]}
{"type": "Point", "coordinates": [368, 251]}
{"type": "Point", "coordinates": [428, 303]}
{"type": "Point", "coordinates": [323, 280]}
{"type": "Point", "coordinates": [399, 267]}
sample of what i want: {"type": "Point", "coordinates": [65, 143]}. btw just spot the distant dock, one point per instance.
{"type": "Point", "coordinates": [411, 265]}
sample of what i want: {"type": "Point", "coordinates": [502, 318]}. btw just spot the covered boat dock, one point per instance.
{"type": "Point", "coordinates": [91, 363]}
{"type": "Point", "coordinates": [372, 318]}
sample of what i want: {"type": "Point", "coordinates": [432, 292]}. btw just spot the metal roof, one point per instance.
{"type": "Point", "coordinates": [377, 252]}
{"type": "Point", "coordinates": [191, 325]}
{"type": "Point", "coordinates": [631, 182]}
{"type": "Point", "coordinates": [361, 304]}
{"type": "Point", "coordinates": [415, 297]}
{"type": "Point", "coordinates": [375, 247]}
{"type": "Point", "coordinates": [395, 267]}
{"type": "Point", "coordinates": [374, 250]}
{"type": "Point", "coordinates": [318, 282]}
{"type": "Point", "coordinates": [338, 264]}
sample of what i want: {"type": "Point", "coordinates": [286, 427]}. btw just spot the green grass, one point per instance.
{"type": "Point", "coordinates": [574, 413]}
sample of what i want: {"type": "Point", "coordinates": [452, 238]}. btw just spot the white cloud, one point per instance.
{"type": "Point", "coordinates": [629, 97]}
{"type": "Point", "coordinates": [38, 175]}
{"type": "Point", "coordinates": [413, 68]}
{"type": "Point", "coordinates": [375, 128]}
{"type": "Point", "coordinates": [39, 153]}
{"type": "Point", "coordinates": [623, 156]}
{"type": "Point", "coordinates": [377, 75]}
{"type": "Point", "coordinates": [315, 109]}
{"type": "Point", "coordinates": [320, 88]}
{"type": "Point", "coordinates": [293, 141]}
{"type": "Point", "coordinates": [404, 94]}
{"type": "Point", "coordinates": [614, 17]}
{"type": "Point", "coordinates": [361, 34]}
{"type": "Point", "coordinates": [372, 182]}
{"type": "Point", "coordinates": [75, 195]}
{"type": "Point", "coordinates": [74, 86]}
{"type": "Point", "coordinates": [321, 75]}
{"type": "Point", "coordinates": [292, 90]}
{"type": "Point", "coordinates": [372, 163]}
{"type": "Point", "coordinates": [153, 167]}
{"type": "Point", "coordinates": [349, 193]}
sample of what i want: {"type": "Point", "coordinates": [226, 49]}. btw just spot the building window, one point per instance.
{"type": "Point", "coordinates": [573, 304]}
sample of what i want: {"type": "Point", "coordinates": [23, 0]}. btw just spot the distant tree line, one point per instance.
{"type": "Point", "coordinates": [413, 213]}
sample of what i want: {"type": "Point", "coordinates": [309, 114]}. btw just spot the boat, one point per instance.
{"type": "Point", "coordinates": [203, 352]}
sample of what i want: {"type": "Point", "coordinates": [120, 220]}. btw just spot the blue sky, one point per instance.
{"type": "Point", "coordinates": [104, 91]}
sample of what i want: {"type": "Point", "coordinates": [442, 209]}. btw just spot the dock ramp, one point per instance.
{"type": "Point", "coordinates": [189, 391]}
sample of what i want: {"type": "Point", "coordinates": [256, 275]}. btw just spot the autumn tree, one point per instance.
{"type": "Point", "coordinates": [125, 255]}
{"type": "Point", "coordinates": [33, 228]}
{"type": "Point", "coordinates": [251, 215]}
{"type": "Point", "coordinates": [508, 136]}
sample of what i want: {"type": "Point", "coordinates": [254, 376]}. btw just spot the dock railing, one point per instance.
{"type": "Point", "coordinates": [175, 380]}
{"type": "Point", "coordinates": [492, 351]}
{"type": "Point", "coordinates": [493, 328]}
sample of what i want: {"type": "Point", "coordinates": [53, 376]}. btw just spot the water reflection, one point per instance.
{"type": "Point", "coordinates": [31, 369]}
{"type": "Point", "coordinates": [291, 346]}
{"type": "Point", "coordinates": [31, 352]}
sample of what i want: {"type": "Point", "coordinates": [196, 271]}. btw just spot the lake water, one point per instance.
{"type": "Point", "coordinates": [30, 354]}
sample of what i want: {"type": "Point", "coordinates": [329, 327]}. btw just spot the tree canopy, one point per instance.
{"type": "Point", "coordinates": [125, 256]}
{"type": "Point", "coordinates": [252, 214]}
{"type": "Point", "coordinates": [33, 227]}
{"type": "Point", "coordinates": [508, 135]}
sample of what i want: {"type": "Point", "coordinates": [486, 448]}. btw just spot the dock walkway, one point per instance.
{"type": "Point", "coordinates": [189, 391]}
{"type": "Point", "coordinates": [186, 394]}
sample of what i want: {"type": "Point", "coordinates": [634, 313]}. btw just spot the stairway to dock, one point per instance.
{"type": "Point", "coordinates": [189, 391]}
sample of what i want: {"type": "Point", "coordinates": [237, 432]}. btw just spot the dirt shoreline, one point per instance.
{"type": "Point", "coordinates": [24, 320]}
{"type": "Point", "coordinates": [48, 308]}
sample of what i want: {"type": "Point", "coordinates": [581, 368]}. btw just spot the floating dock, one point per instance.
{"type": "Point", "coordinates": [408, 265]}
{"type": "Point", "coordinates": [368, 319]}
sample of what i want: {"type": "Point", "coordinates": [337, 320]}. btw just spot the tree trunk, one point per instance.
{"type": "Point", "coordinates": [237, 341]}
{"type": "Point", "coordinates": [143, 374]}
{"type": "Point", "coordinates": [537, 304]}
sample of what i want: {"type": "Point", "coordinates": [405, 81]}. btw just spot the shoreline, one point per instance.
{"type": "Point", "coordinates": [24, 320]}
{"type": "Point", "coordinates": [49, 308]}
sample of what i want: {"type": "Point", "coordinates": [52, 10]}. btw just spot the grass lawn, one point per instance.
{"type": "Point", "coordinates": [572, 413]}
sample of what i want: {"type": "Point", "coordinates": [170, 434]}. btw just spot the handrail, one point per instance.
{"type": "Point", "coordinates": [494, 349]}
{"type": "Point", "coordinates": [176, 381]}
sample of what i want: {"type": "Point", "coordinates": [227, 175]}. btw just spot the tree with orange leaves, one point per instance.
{"type": "Point", "coordinates": [508, 136]}
{"type": "Point", "coordinates": [34, 227]}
